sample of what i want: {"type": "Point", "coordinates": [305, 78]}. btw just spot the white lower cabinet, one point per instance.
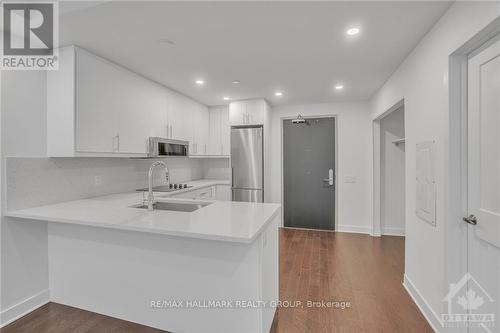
{"type": "Point", "coordinates": [223, 192]}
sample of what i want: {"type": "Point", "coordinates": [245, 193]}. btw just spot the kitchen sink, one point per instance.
{"type": "Point", "coordinates": [175, 206]}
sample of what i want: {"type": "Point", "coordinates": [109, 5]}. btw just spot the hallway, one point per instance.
{"type": "Point", "coordinates": [365, 271]}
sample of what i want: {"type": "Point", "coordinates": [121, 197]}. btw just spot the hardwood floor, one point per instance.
{"type": "Point", "coordinates": [57, 318]}
{"type": "Point", "coordinates": [314, 266]}
{"type": "Point", "coordinates": [365, 271]}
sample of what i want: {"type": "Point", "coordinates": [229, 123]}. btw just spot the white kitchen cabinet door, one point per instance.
{"type": "Point", "coordinates": [250, 112]}
{"type": "Point", "coordinates": [206, 193]}
{"type": "Point", "coordinates": [214, 131]}
{"type": "Point", "coordinates": [115, 108]}
{"type": "Point", "coordinates": [255, 111]}
{"type": "Point", "coordinates": [202, 130]}
{"type": "Point", "coordinates": [223, 192]}
{"type": "Point", "coordinates": [237, 113]}
{"type": "Point", "coordinates": [225, 132]}
{"type": "Point", "coordinates": [176, 117]}
{"type": "Point", "coordinates": [189, 112]}
{"type": "Point", "coordinates": [99, 99]}
{"type": "Point", "coordinates": [134, 117]}
{"type": "Point", "coordinates": [198, 127]}
{"type": "Point", "coordinates": [158, 122]}
{"type": "Point", "coordinates": [108, 110]}
{"type": "Point", "coordinates": [219, 131]}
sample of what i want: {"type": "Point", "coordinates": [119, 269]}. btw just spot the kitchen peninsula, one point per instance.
{"type": "Point", "coordinates": [147, 267]}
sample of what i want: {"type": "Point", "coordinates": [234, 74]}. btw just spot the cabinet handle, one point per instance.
{"type": "Point", "coordinates": [222, 149]}
{"type": "Point", "coordinates": [116, 143]}
{"type": "Point", "coordinates": [171, 131]}
{"type": "Point", "coordinates": [205, 149]}
{"type": "Point", "coordinates": [113, 144]}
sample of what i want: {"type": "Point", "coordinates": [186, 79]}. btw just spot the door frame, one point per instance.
{"type": "Point", "coordinates": [335, 167]}
{"type": "Point", "coordinates": [456, 165]}
{"type": "Point", "coordinates": [335, 170]}
{"type": "Point", "coordinates": [376, 229]}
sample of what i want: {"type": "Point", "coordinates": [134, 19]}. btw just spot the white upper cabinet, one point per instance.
{"type": "Point", "coordinates": [97, 108]}
{"type": "Point", "coordinates": [198, 124]}
{"type": "Point", "coordinates": [97, 105]}
{"type": "Point", "coordinates": [116, 110]}
{"type": "Point", "coordinates": [249, 112]}
{"type": "Point", "coordinates": [219, 131]}
{"type": "Point", "coordinates": [225, 132]}
{"type": "Point", "coordinates": [159, 114]}
{"type": "Point", "coordinates": [175, 117]}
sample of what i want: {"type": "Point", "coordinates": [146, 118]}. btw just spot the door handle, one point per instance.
{"type": "Point", "coordinates": [471, 219]}
{"type": "Point", "coordinates": [330, 178]}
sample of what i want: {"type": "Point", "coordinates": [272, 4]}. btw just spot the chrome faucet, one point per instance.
{"type": "Point", "coordinates": [150, 182]}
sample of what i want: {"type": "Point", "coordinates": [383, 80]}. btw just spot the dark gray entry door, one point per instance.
{"type": "Point", "coordinates": [309, 169]}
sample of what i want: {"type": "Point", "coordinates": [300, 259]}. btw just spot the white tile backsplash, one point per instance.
{"type": "Point", "coordinates": [216, 168]}
{"type": "Point", "coordinates": [40, 181]}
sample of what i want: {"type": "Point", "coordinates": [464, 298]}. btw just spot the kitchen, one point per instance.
{"type": "Point", "coordinates": [214, 166]}
{"type": "Point", "coordinates": [103, 105]}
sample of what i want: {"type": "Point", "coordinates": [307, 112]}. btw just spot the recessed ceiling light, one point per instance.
{"type": "Point", "coordinates": [339, 87]}
{"type": "Point", "coordinates": [236, 81]}
{"type": "Point", "coordinates": [199, 82]}
{"type": "Point", "coordinates": [278, 94]}
{"type": "Point", "coordinates": [225, 98]}
{"type": "Point", "coordinates": [352, 31]}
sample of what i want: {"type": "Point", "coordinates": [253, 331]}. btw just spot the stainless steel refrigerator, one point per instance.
{"type": "Point", "coordinates": [247, 163]}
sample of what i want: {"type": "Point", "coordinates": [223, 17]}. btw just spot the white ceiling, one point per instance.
{"type": "Point", "coordinates": [299, 48]}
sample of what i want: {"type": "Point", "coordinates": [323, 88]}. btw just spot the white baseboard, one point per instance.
{"type": "Point", "coordinates": [393, 231]}
{"type": "Point", "coordinates": [24, 307]}
{"type": "Point", "coordinates": [422, 305]}
{"type": "Point", "coordinates": [353, 229]}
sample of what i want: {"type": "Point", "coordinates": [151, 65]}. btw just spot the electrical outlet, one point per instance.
{"type": "Point", "coordinates": [97, 180]}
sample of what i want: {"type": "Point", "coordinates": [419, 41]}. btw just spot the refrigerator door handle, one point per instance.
{"type": "Point", "coordinates": [232, 177]}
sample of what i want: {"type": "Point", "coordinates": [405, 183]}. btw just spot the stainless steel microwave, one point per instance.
{"type": "Point", "coordinates": [159, 147]}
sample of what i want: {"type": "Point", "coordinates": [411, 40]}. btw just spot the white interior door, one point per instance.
{"type": "Point", "coordinates": [484, 185]}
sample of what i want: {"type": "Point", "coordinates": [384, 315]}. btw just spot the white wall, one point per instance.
{"type": "Point", "coordinates": [24, 259]}
{"type": "Point", "coordinates": [353, 152]}
{"type": "Point", "coordinates": [24, 113]}
{"type": "Point", "coordinates": [392, 174]}
{"type": "Point", "coordinates": [422, 80]}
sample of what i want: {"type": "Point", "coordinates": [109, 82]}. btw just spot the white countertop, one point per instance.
{"type": "Point", "coordinates": [221, 220]}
